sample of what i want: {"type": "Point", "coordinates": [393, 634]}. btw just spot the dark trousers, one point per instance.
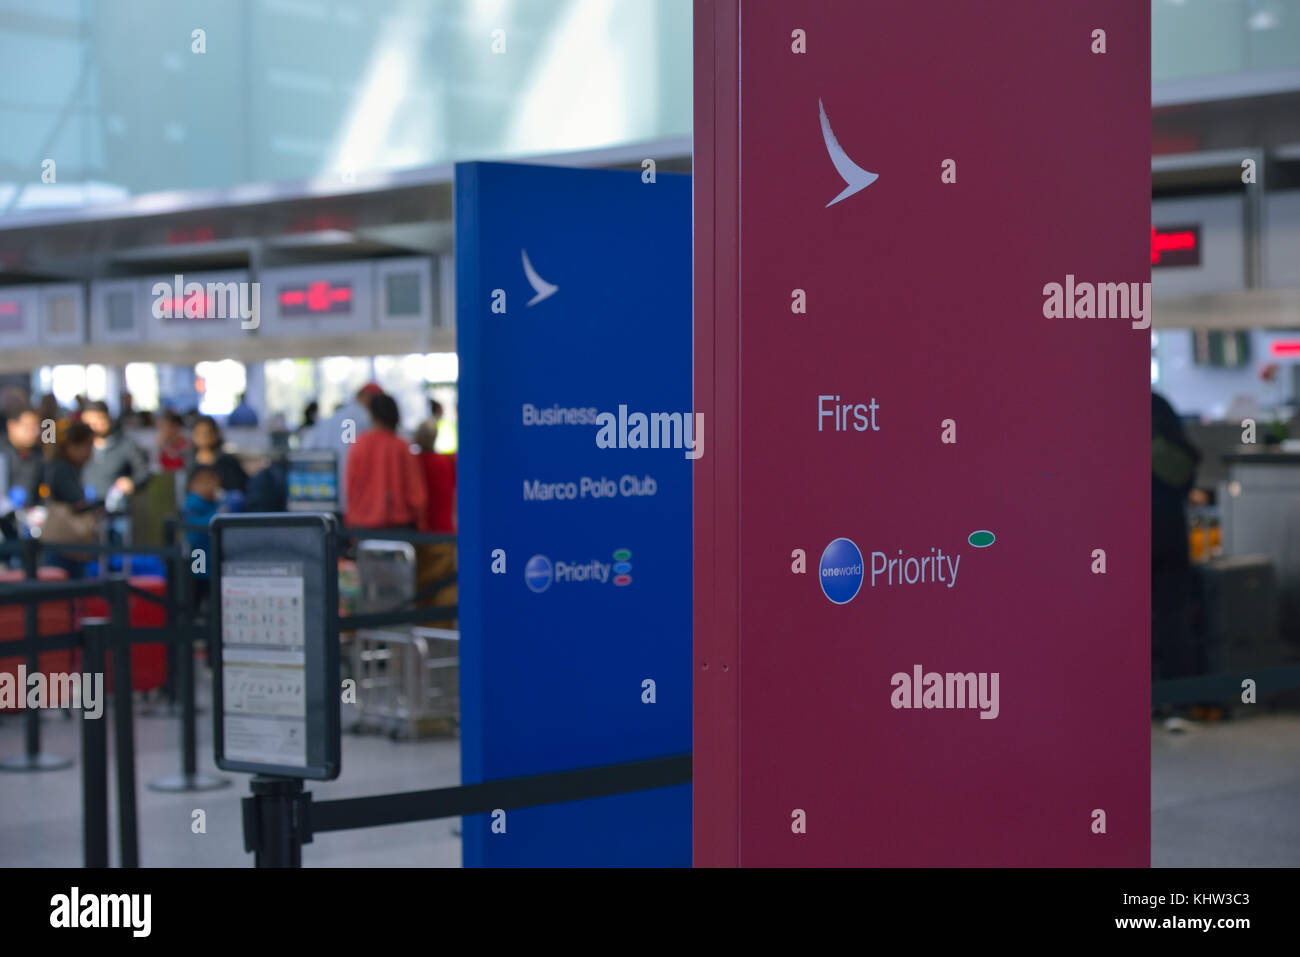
{"type": "Point", "coordinates": [1175, 651]}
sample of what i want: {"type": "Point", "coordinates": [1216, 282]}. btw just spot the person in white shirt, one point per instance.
{"type": "Point", "coordinates": [340, 431]}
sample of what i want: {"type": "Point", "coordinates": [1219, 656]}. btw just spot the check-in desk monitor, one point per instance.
{"type": "Point", "coordinates": [313, 480]}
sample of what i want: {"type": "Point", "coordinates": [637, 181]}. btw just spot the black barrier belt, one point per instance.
{"type": "Point", "coordinates": [62, 641]}
{"type": "Point", "coordinates": [383, 619]}
{"type": "Point", "coordinates": [431, 590]}
{"type": "Point", "coordinates": [95, 548]}
{"type": "Point", "coordinates": [148, 596]}
{"type": "Point", "coordinates": [67, 640]}
{"type": "Point", "coordinates": [1224, 686]}
{"type": "Point", "coordinates": [23, 593]}
{"type": "Point", "coordinates": [381, 534]}
{"type": "Point", "coordinates": [508, 794]}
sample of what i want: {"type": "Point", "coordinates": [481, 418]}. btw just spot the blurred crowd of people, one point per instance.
{"type": "Point", "coordinates": [82, 468]}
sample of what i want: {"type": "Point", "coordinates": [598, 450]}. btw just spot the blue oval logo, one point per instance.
{"type": "Point", "coordinates": [840, 571]}
{"type": "Point", "coordinates": [622, 568]}
{"type": "Point", "coordinates": [537, 573]}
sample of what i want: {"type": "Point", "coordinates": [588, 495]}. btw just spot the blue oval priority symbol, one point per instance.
{"type": "Point", "coordinates": [840, 571]}
{"type": "Point", "coordinates": [537, 573]}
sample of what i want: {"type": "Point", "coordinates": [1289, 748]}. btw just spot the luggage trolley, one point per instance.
{"type": "Point", "coordinates": [408, 677]}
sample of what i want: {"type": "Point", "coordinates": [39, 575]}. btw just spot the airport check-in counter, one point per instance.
{"type": "Point", "coordinates": [1260, 508]}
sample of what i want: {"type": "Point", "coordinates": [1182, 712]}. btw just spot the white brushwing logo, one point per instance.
{"type": "Point", "coordinates": [542, 288]}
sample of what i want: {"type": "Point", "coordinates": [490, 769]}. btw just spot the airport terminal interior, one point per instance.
{"type": "Point", "coordinates": [229, 265]}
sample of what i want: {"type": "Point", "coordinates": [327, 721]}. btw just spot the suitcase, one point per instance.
{"type": "Point", "coordinates": [53, 618]}
{"type": "Point", "coordinates": [149, 661]}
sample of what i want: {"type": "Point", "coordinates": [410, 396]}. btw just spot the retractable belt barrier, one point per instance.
{"type": "Point", "coordinates": [280, 816]}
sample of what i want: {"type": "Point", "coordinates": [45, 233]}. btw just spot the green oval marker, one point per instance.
{"type": "Point", "coordinates": [622, 555]}
{"type": "Point", "coordinates": [981, 539]}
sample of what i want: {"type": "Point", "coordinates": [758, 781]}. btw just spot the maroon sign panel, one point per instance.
{"type": "Point", "coordinates": [922, 546]}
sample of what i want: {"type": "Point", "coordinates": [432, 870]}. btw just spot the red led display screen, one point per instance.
{"type": "Point", "coordinates": [1176, 245]}
{"type": "Point", "coordinates": [316, 299]}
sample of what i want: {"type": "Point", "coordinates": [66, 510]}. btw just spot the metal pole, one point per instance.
{"type": "Point", "coordinates": [181, 650]}
{"type": "Point", "coordinates": [32, 758]}
{"type": "Point", "coordinates": [94, 754]}
{"type": "Point", "coordinates": [123, 721]}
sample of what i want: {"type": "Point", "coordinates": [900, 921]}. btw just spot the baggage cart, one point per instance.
{"type": "Point", "coordinates": [408, 676]}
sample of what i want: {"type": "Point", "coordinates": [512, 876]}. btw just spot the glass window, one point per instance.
{"type": "Point", "coordinates": [290, 386]}
{"type": "Point", "coordinates": [142, 383]}
{"type": "Point", "coordinates": [220, 385]}
{"type": "Point", "coordinates": [340, 378]}
{"type": "Point", "coordinates": [292, 90]}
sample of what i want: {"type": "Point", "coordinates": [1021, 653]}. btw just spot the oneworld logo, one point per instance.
{"type": "Point", "coordinates": [856, 179]}
{"type": "Point", "coordinates": [216, 300]}
{"type": "Point", "coordinates": [538, 573]}
{"type": "Point", "coordinates": [840, 571]}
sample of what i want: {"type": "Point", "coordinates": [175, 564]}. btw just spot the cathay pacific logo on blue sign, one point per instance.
{"type": "Point", "coordinates": [541, 288]}
{"type": "Point", "coordinates": [540, 572]}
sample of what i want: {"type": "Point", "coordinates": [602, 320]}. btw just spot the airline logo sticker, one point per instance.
{"type": "Point", "coordinates": [855, 177]}
{"type": "Point", "coordinates": [538, 573]}
{"type": "Point", "coordinates": [542, 288]}
{"type": "Point", "coordinates": [840, 571]}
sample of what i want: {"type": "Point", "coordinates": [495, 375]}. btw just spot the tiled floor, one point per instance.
{"type": "Point", "coordinates": [1224, 794]}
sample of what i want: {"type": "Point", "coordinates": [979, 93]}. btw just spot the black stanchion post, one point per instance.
{"type": "Point", "coordinates": [94, 754]}
{"type": "Point", "coordinates": [172, 569]}
{"type": "Point", "coordinates": [182, 647]}
{"type": "Point", "coordinates": [277, 821]}
{"type": "Point", "coordinates": [31, 629]}
{"type": "Point", "coordinates": [189, 725]}
{"type": "Point", "coordinates": [32, 758]}
{"type": "Point", "coordinates": [123, 721]}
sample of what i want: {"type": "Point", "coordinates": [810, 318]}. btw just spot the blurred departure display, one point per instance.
{"type": "Point", "coordinates": [1176, 245]}
{"type": "Point", "coordinates": [11, 316]}
{"type": "Point", "coordinates": [321, 297]}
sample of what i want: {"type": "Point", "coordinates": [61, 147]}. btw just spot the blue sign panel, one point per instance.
{"type": "Point", "coordinates": [576, 443]}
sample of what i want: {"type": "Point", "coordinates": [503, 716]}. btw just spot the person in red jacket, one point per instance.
{"type": "Point", "coordinates": [436, 561]}
{"type": "Point", "coordinates": [439, 472]}
{"type": "Point", "coordinates": [385, 487]}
